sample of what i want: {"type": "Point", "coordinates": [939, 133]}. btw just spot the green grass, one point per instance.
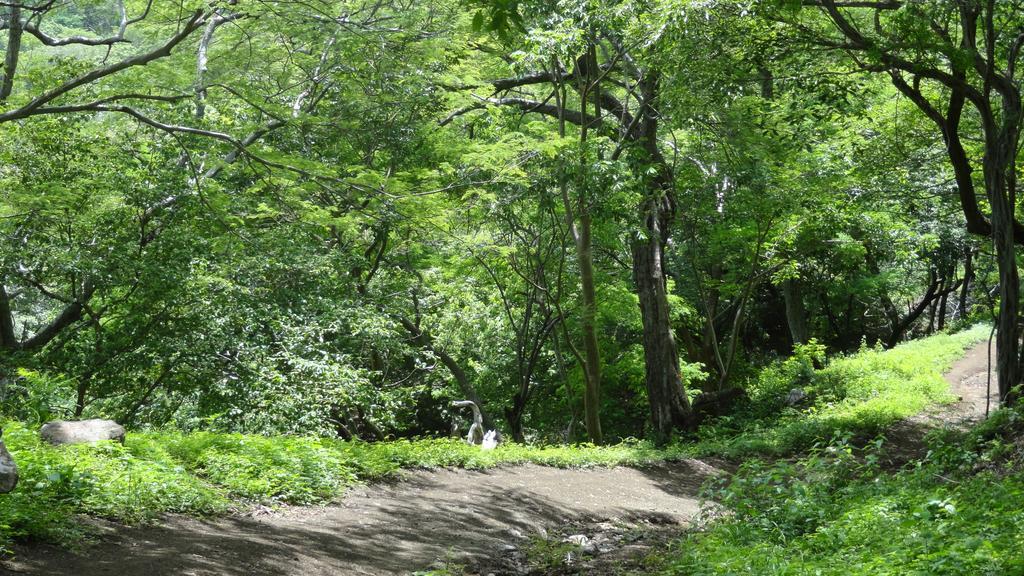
{"type": "Point", "coordinates": [831, 510]}
{"type": "Point", "coordinates": [210, 473]}
{"type": "Point", "coordinates": [860, 395]}
{"type": "Point", "coordinates": [835, 513]}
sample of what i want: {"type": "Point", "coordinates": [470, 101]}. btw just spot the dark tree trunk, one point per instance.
{"type": "Point", "coordinates": [83, 388]}
{"type": "Point", "coordinates": [932, 310]}
{"type": "Point", "coordinates": [8, 340]}
{"type": "Point", "coordinates": [1007, 334]}
{"type": "Point", "coordinates": [936, 290]}
{"type": "Point", "coordinates": [670, 408]}
{"type": "Point", "coordinates": [514, 416]}
{"type": "Point", "coordinates": [14, 33]}
{"type": "Point", "coordinates": [942, 311]}
{"type": "Point", "coordinates": [966, 286]}
{"type": "Point", "coordinates": [796, 313]}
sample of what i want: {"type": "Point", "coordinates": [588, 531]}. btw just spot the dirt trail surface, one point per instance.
{"type": "Point", "coordinates": [458, 516]}
{"type": "Point", "coordinates": [388, 528]}
{"type": "Point", "coordinates": [968, 381]}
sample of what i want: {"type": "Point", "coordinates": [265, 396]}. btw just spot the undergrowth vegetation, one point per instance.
{"type": "Point", "coordinates": [836, 512]}
{"type": "Point", "coordinates": [203, 473]}
{"type": "Point", "coordinates": [860, 394]}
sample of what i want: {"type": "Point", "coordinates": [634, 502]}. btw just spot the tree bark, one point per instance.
{"type": "Point", "coordinates": [670, 407]}
{"type": "Point", "coordinates": [1007, 333]}
{"type": "Point", "coordinates": [966, 286]}
{"type": "Point", "coordinates": [13, 51]}
{"type": "Point", "coordinates": [588, 321]}
{"type": "Point", "coordinates": [796, 313]}
{"type": "Point", "coordinates": [942, 310]}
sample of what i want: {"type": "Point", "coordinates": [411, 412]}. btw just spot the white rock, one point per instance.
{"type": "Point", "coordinates": [83, 431]}
{"type": "Point", "coordinates": [8, 470]}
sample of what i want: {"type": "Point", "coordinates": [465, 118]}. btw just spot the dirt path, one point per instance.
{"type": "Point", "coordinates": [968, 381]}
{"type": "Point", "coordinates": [392, 528]}
{"type": "Point", "coordinates": [446, 515]}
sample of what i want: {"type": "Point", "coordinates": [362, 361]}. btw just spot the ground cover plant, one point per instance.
{"type": "Point", "coordinates": [835, 511]}
{"type": "Point", "coordinates": [860, 394]}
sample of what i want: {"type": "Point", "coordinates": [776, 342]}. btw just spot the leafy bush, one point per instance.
{"type": "Point", "coordinates": [103, 479]}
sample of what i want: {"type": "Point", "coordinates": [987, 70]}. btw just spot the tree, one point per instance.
{"type": "Point", "coordinates": [943, 57]}
{"type": "Point", "coordinates": [617, 96]}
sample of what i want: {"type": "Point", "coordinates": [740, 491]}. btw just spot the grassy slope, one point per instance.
{"type": "Point", "coordinates": [861, 394]}
{"type": "Point", "coordinates": [206, 473]}
{"type": "Point", "coordinates": [833, 511]}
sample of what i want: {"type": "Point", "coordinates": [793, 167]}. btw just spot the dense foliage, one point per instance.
{"type": "Point", "coordinates": [277, 240]}
{"type": "Point", "coordinates": [573, 215]}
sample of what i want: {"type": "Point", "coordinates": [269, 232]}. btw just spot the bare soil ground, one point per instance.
{"type": "Point", "coordinates": [485, 519]}
{"type": "Point", "coordinates": [398, 527]}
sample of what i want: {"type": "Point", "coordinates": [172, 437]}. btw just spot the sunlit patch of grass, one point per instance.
{"type": "Point", "coordinates": [861, 395]}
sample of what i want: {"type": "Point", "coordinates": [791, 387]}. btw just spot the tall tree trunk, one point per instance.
{"type": "Point", "coordinates": [579, 221]}
{"type": "Point", "coordinates": [592, 366]}
{"type": "Point", "coordinates": [670, 407]}
{"type": "Point", "coordinates": [796, 313]}
{"type": "Point", "coordinates": [1007, 336]}
{"type": "Point", "coordinates": [966, 287]}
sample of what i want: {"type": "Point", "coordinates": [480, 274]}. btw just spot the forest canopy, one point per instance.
{"type": "Point", "coordinates": [594, 220]}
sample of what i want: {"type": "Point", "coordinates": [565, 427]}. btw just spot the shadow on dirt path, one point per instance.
{"type": "Point", "coordinates": [387, 528]}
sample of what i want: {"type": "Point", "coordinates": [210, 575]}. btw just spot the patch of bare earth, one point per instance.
{"type": "Point", "coordinates": [423, 518]}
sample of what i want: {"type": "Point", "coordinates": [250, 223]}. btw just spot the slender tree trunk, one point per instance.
{"type": "Point", "coordinates": [579, 221]}
{"type": "Point", "coordinates": [8, 340]}
{"type": "Point", "coordinates": [932, 309]}
{"type": "Point", "coordinates": [966, 287]}
{"type": "Point", "coordinates": [14, 33]}
{"type": "Point", "coordinates": [796, 313]}
{"type": "Point", "coordinates": [592, 392]}
{"type": "Point", "coordinates": [943, 306]}
{"type": "Point", "coordinates": [82, 391]}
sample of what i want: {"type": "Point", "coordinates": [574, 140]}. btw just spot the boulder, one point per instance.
{"type": "Point", "coordinates": [82, 431]}
{"type": "Point", "coordinates": [795, 396]}
{"type": "Point", "coordinates": [8, 470]}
